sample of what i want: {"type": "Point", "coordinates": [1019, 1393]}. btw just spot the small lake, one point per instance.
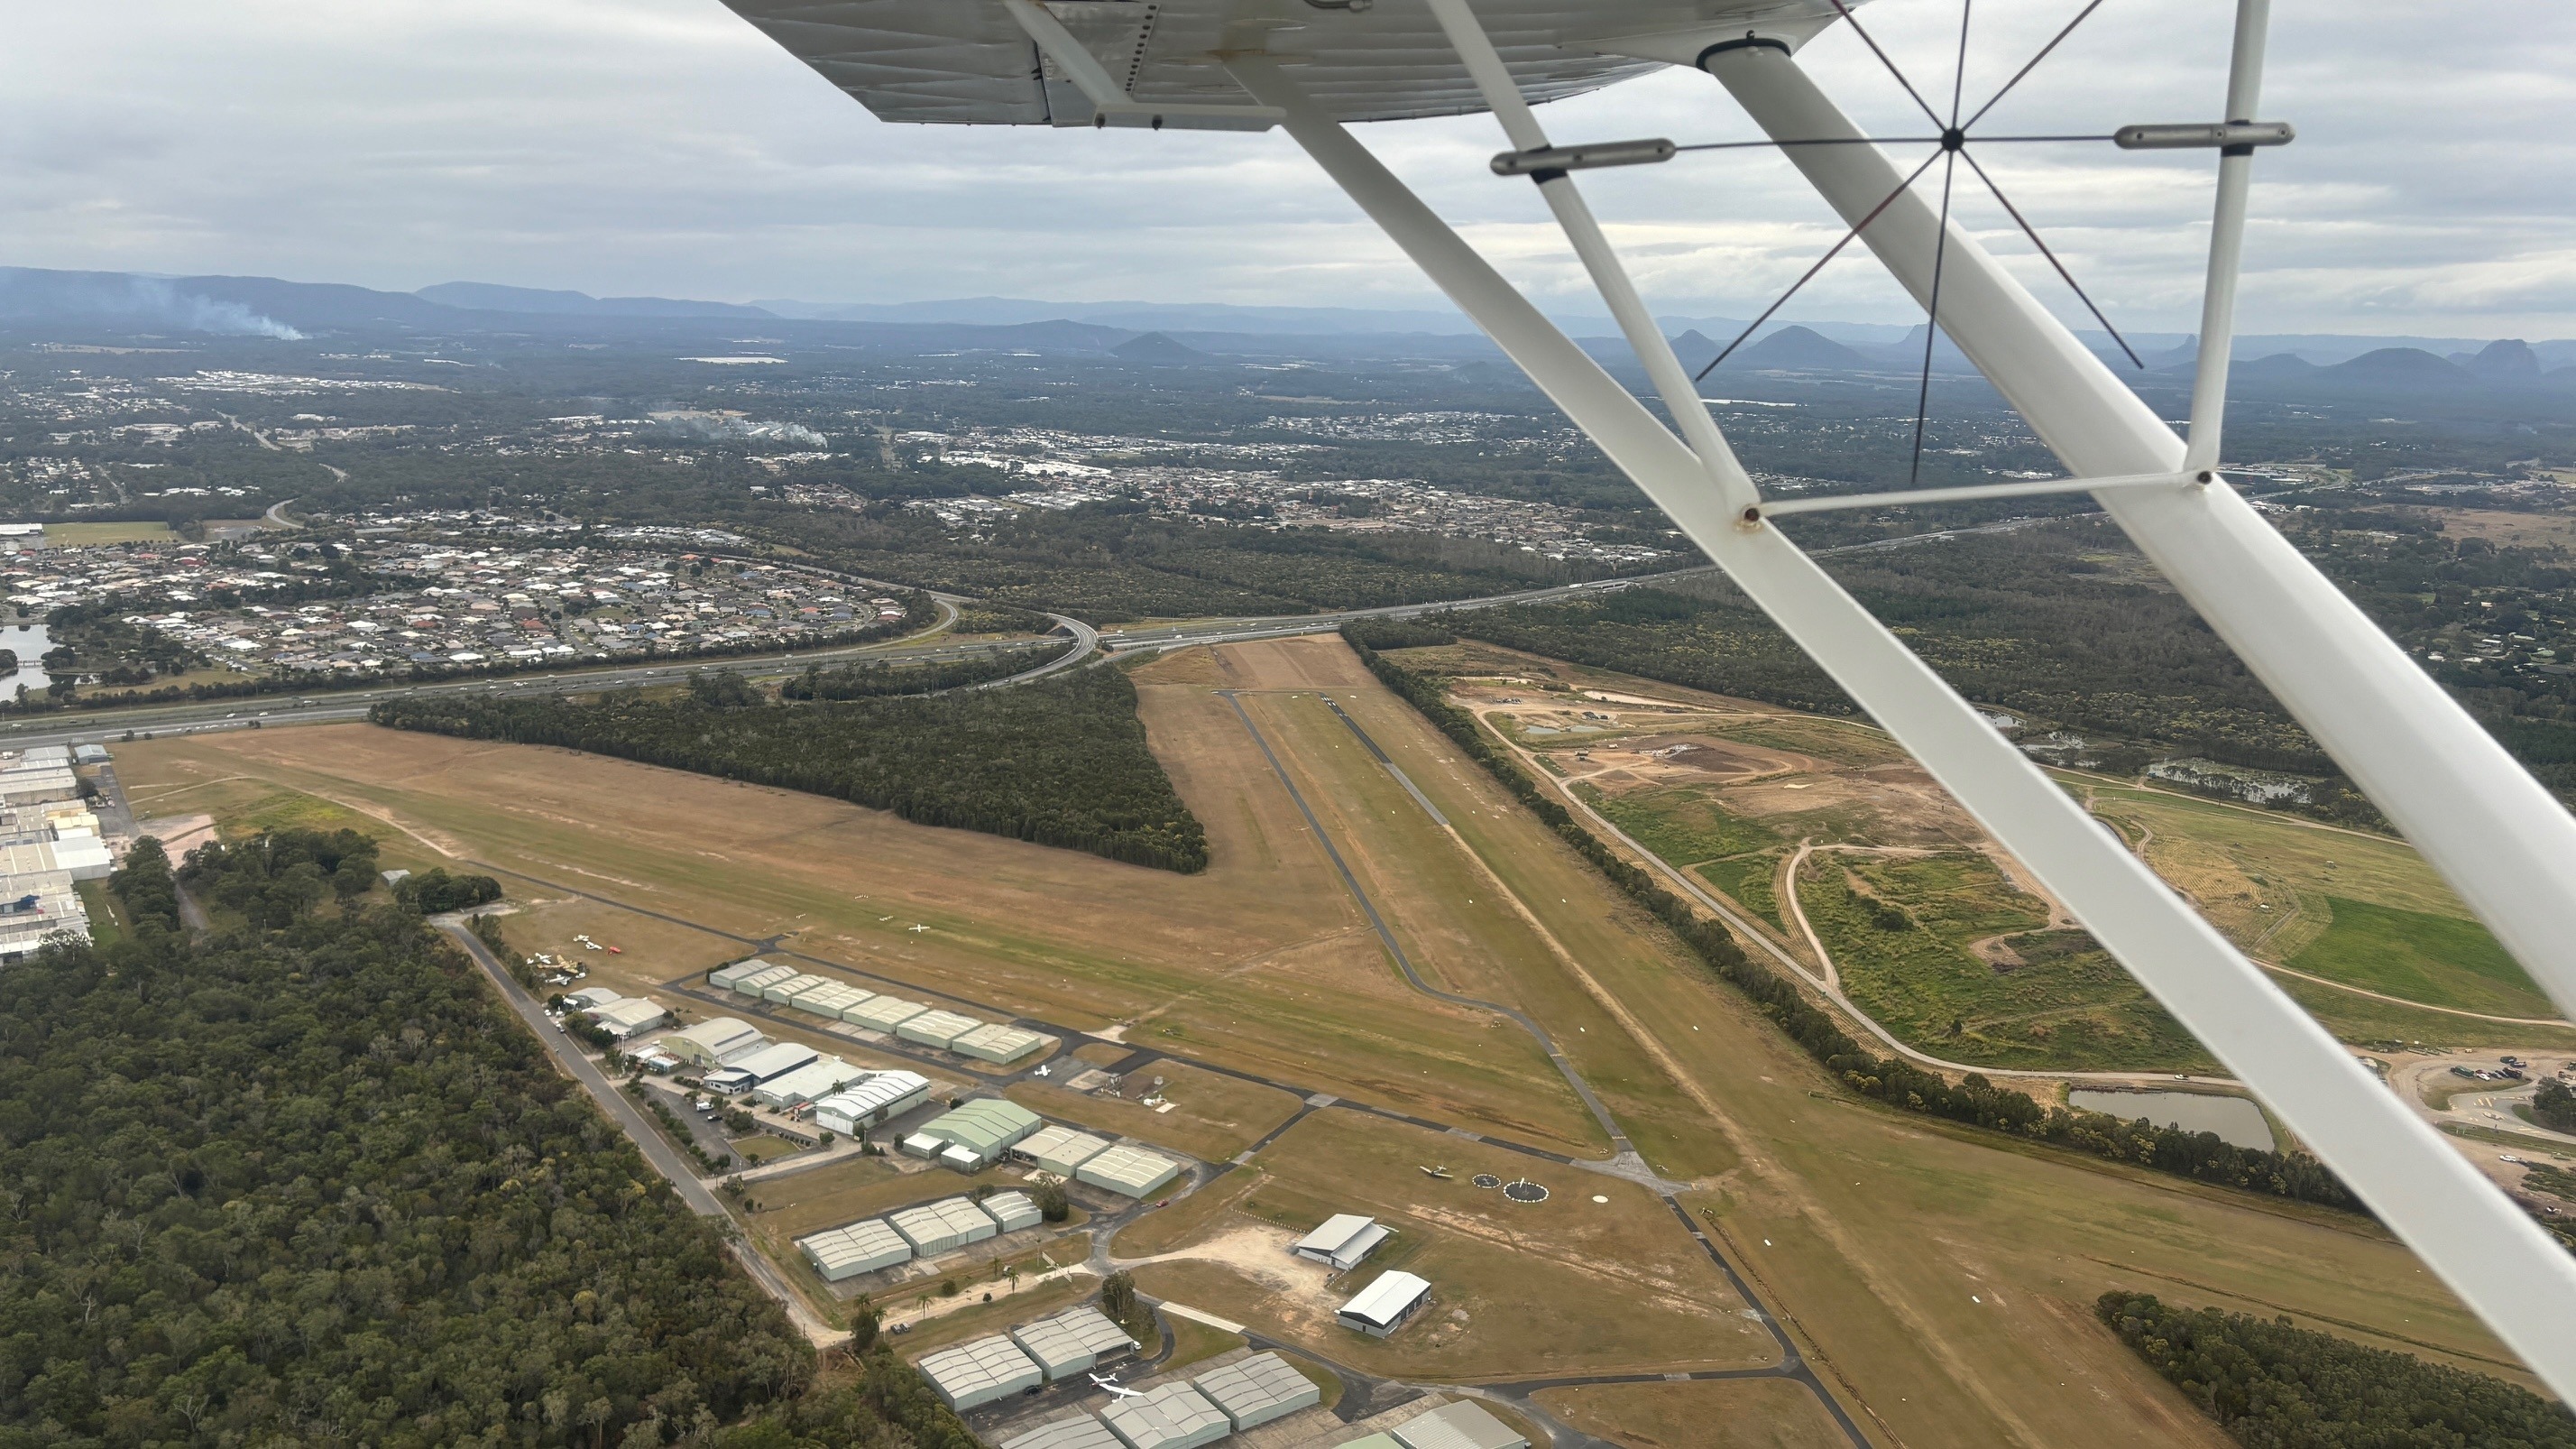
{"type": "Point", "coordinates": [2236, 1120]}
{"type": "Point", "coordinates": [30, 641]}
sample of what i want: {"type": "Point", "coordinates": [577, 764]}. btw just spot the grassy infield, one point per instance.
{"type": "Point", "coordinates": [1939, 1277]}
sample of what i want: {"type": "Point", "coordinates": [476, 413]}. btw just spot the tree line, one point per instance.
{"type": "Point", "coordinates": [1975, 1099]}
{"type": "Point", "coordinates": [871, 680]}
{"type": "Point", "coordinates": [1059, 761]}
{"type": "Point", "coordinates": [310, 1184]}
{"type": "Point", "coordinates": [2276, 1386]}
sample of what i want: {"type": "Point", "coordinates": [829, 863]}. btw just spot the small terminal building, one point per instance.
{"type": "Point", "coordinates": [1385, 1305]}
{"type": "Point", "coordinates": [1342, 1242]}
{"type": "Point", "coordinates": [978, 1373]}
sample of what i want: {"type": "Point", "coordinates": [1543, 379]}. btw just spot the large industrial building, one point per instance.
{"type": "Point", "coordinates": [1385, 1305]}
{"type": "Point", "coordinates": [623, 1016]}
{"type": "Point", "coordinates": [1173, 1416]}
{"type": "Point", "coordinates": [1253, 1391]}
{"type": "Point", "coordinates": [974, 1136]}
{"type": "Point", "coordinates": [862, 1247]}
{"type": "Point", "coordinates": [978, 1373]}
{"type": "Point", "coordinates": [1343, 1241]}
{"type": "Point", "coordinates": [871, 1101]}
{"type": "Point", "coordinates": [50, 840]}
{"type": "Point", "coordinates": [1074, 1341]}
{"type": "Point", "coordinates": [1128, 1170]}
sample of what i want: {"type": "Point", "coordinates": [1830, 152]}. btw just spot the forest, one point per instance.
{"type": "Point", "coordinates": [1060, 761]}
{"type": "Point", "coordinates": [1975, 1099]}
{"type": "Point", "coordinates": [304, 1182]}
{"type": "Point", "coordinates": [2277, 1386]}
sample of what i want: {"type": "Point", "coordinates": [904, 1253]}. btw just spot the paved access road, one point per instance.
{"type": "Point", "coordinates": [657, 1149]}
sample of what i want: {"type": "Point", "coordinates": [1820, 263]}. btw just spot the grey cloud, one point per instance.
{"type": "Point", "coordinates": [661, 146]}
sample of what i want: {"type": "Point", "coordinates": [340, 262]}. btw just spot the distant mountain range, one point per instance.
{"type": "Point", "coordinates": [1191, 333]}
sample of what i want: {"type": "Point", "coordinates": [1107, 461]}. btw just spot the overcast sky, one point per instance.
{"type": "Point", "coordinates": [665, 147]}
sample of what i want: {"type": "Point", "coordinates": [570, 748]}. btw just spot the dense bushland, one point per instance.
{"type": "Point", "coordinates": [1975, 1099]}
{"type": "Point", "coordinates": [2278, 1387]}
{"type": "Point", "coordinates": [304, 1182]}
{"type": "Point", "coordinates": [1059, 761]}
{"type": "Point", "coordinates": [864, 680]}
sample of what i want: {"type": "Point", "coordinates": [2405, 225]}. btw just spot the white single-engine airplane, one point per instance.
{"type": "Point", "coordinates": [1113, 1388]}
{"type": "Point", "coordinates": [1312, 67]}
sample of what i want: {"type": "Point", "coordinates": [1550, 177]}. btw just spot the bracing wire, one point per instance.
{"type": "Point", "coordinates": [2063, 274]}
{"type": "Point", "coordinates": [1830, 253]}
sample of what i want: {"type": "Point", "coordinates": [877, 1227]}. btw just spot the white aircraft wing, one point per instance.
{"type": "Point", "coordinates": [973, 62]}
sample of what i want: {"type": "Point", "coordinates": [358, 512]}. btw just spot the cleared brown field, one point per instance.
{"type": "Point", "coordinates": [1570, 1284]}
{"type": "Point", "coordinates": [1212, 1117]}
{"type": "Point", "coordinates": [1262, 962]}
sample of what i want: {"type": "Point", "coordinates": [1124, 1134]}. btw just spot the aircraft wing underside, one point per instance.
{"type": "Point", "coordinates": [972, 62]}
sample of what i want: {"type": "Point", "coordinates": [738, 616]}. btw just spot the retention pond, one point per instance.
{"type": "Point", "coordinates": [2236, 1120]}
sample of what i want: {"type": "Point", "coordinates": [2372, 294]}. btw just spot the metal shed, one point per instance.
{"type": "Point", "coordinates": [628, 1015]}
{"type": "Point", "coordinates": [1072, 1341]}
{"type": "Point", "coordinates": [772, 1061]}
{"type": "Point", "coordinates": [1343, 1241]}
{"type": "Point", "coordinates": [830, 1001]}
{"type": "Point", "coordinates": [983, 1129]}
{"type": "Point", "coordinates": [1174, 1416]}
{"type": "Point", "coordinates": [1383, 1306]}
{"type": "Point", "coordinates": [1128, 1170]}
{"type": "Point", "coordinates": [883, 1014]}
{"type": "Point", "coordinates": [819, 1078]}
{"type": "Point", "coordinates": [750, 983]}
{"type": "Point", "coordinates": [1012, 1210]}
{"type": "Point", "coordinates": [1001, 1044]}
{"type": "Point", "coordinates": [788, 988]}
{"type": "Point", "coordinates": [1060, 1150]}
{"type": "Point", "coordinates": [1258, 1389]}
{"type": "Point", "coordinates": [1086, 1432]}
{"type": "Point", "coordinates": [1459, 1424]}
{"type": "Point", "coordinates": [936, 1028]}
{"type": "Point", "coordinates": [729, 978]}
{"type": "Point", "coordinates": [942, 1227]}
{"type": "Point", "coordinates": [980, 1372]}
{"type": "Point", "coordinates": [870, 1101]}
{"type": "Point", "coordinates": [862, 1247]}
{"type": "Point", "coordinates": [710, 1042]}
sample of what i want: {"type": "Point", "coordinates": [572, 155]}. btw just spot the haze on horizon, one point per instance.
{"type": "Point", "coordinates": [664, 147]}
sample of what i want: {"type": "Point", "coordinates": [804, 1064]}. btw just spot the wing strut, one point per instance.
{"type": "Point", "coordinates": [2484, 1247]}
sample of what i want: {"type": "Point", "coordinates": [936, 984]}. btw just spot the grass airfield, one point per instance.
{"type": "Point", "coordinates": [1941, 1279]}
